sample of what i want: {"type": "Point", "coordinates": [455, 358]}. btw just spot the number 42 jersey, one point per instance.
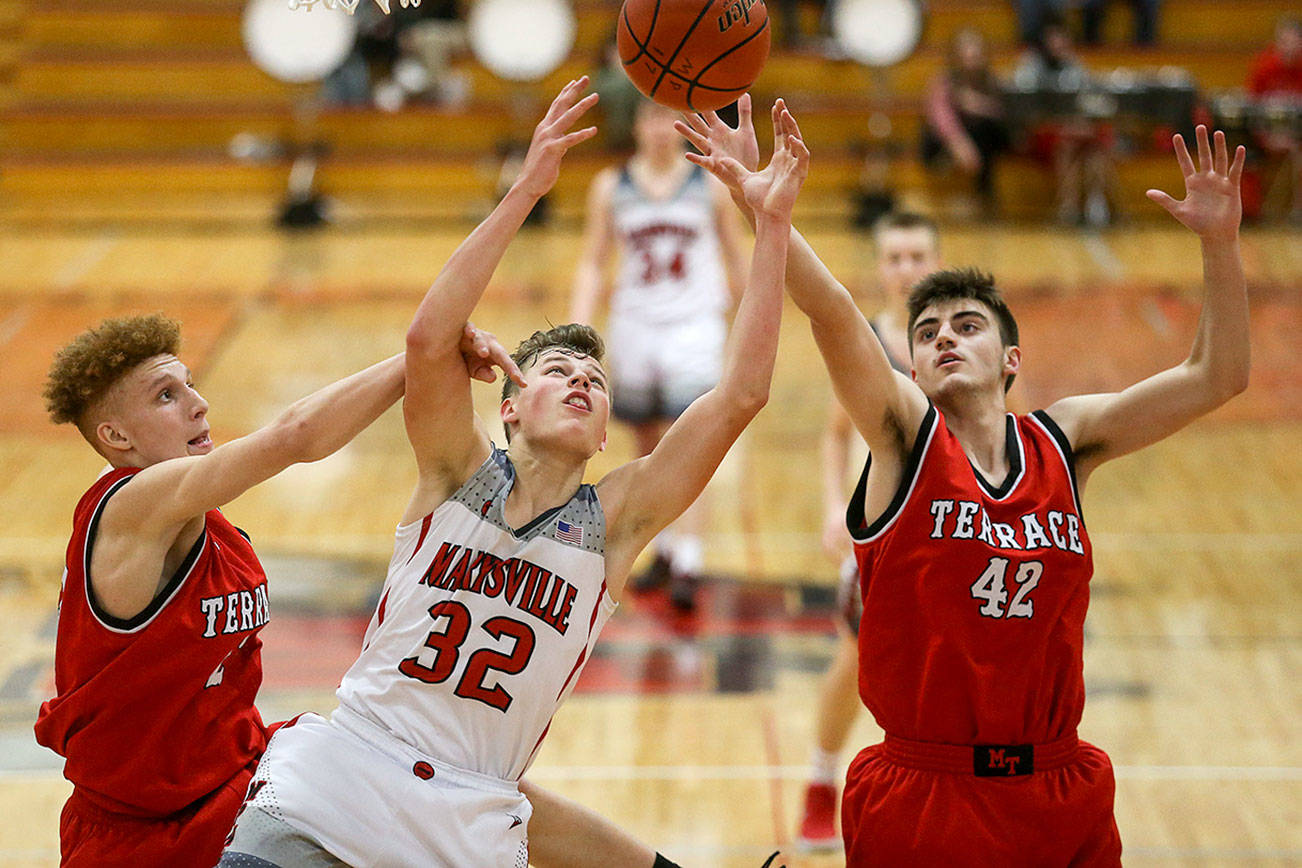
{"type": "Point", "coordinates": [974, 596]}
{"type": "Point", "coordinates": [482, 630]}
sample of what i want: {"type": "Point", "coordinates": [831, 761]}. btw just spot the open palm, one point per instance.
{"type": "Point", "coordinates": [773, 191]}
{"type": "Point", "coordinates": [1211, 205]}
{"type": "Point", "coordinates": [732, 156]}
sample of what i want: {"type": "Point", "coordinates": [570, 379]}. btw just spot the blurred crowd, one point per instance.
{"type": "Point", "coordinates": [1071, 120]}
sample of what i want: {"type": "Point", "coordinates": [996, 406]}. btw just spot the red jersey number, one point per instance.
{"type": "Point", "coordinates": [447, 645]}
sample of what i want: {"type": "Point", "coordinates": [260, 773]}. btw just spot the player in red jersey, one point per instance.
{"type": "Point", "coordinates": [974, 558]}
{"type": "Point", "coordinates": [157, 658]}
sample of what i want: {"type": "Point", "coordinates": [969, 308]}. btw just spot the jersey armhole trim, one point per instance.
{"type": "Point", "coordinates": [855, 519]}
{"type": "Point", "coordinates": [142, 618]}
{"type": "Point", "coordinates": [1050, 427]}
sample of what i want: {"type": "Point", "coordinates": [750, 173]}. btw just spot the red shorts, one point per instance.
{"type": "Point", "coordinates": [92, 837]}
{"type": "Point", "coordinates": [900, 809]}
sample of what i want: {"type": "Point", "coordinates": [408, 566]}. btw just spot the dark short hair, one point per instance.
{"type": "Point", "coordinates": [85, 369]}
{"type": "Point", "coordinates": [904, 220]}
{"type": "Point", "coordinates": [953, 283]}
{"type": "Point", "coordinates": [574, 338]}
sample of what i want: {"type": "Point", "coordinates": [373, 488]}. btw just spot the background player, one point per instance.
{"type": "Point", "coordinates": [907, 248]}
{"type": "Point", "coordinates": [504, 561]}
{"type": "Point", "coordinates": [157, 656]}
{"type": "Point", "coordinates": [677, 243]}
{"type": "Point", "coordinates": [981, 680]}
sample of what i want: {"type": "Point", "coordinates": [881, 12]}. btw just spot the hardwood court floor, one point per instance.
{"type": "Point", "coordinates": [695, 733]}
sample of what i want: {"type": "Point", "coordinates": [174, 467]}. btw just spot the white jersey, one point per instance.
{"type": "Point", "coordinates": [481, 630]}
{"type": "Point", "coordinates": [670, 268]}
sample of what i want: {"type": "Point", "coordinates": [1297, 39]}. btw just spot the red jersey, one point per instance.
{"type": "Point", "coordinates": [156, 711]}
{"type": "Point", "coordinates": [1270, 75]}
{"type": "Point", "coordinates": [974, 597]}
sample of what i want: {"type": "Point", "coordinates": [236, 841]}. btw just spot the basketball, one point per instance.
{"type": "Point", "coordinates": [693, 55]}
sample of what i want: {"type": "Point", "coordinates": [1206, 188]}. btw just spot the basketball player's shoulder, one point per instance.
{"type": "Point", "coordinates": [607, 179]}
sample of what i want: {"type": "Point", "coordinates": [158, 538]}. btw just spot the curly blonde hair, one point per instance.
{"type": "Point", "coordinates": [85, 369]}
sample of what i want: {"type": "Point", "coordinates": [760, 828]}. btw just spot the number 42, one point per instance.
{"type": "Point", "coordinates": [989, 586]}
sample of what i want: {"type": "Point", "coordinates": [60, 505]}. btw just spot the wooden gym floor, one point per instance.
{"type": "Point", "coordinates": [695, 732]}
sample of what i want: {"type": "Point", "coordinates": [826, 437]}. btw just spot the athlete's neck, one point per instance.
{"type": "Point", "coordinates": [981, 426]}
{"type": "Point", "coordinates": [669, 165]}
{"type": "Point", "coordinates": [542, 481]}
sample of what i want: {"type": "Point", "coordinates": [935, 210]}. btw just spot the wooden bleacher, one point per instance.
{"type": "Point", "coordinates": [124, 111]}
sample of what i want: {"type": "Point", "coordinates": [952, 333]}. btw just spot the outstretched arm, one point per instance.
{"type": "Point", "coordinates": [1101, 427]}
{"type": "Point", "coordinates": [647, 494]}
{"type": "Point", "coordinates": [143, 521]}
{"type": "Point", "coordinates": [447, 441]}
{"type": "Point", "coordinates": [881, 402]}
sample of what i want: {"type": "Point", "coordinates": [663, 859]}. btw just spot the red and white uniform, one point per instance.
{"type": "Point", "coordinates": [667, 328]}
{"type": "Point", "coordinates": [480, 634]}
{"type": "Point", "coordinates": [970, 649]}
{"type": "Point", "coordinates": [154, 714]}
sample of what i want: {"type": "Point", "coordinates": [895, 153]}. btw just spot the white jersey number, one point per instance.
{"type": "Point", "coordinates": [989, 587]}
{"type": "Point", "coordinates": [447, 648]}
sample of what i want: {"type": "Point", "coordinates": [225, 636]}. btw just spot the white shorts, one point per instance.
{"type": "Point", "coordinates": [657, 370]}
{"type": "Point", "coordinates": [371, 800]}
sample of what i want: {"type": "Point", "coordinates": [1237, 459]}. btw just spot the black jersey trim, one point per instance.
{"type": "Point", "coordinates": [1016, 463]}
{"type": "Point", "coordinates": [855, 519]}
{"type": "Point", "coordinates": [538, 521]}
{"type": "Point", "coordinates": [1065, 452]}
{"type": "Point", "coordinates": [142, 618]}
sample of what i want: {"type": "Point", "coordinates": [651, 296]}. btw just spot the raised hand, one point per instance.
{"type": "Point", "coordinates": [482, 351]}
{"type": "Point", "coordinates": [771, 192]}
{"type": "Point", "coordinates": [707, 132]}
{"type": "Point", "coordinates": [551, 138]}
{"type": "Point", "coordinates": [1211, 206]}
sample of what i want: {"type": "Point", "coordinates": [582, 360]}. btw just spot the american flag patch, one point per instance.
{"type": "Point", "coordinates": [570, 533]}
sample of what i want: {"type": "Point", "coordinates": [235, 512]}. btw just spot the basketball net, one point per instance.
{"type": "Point", "coordinates": [349, 6]}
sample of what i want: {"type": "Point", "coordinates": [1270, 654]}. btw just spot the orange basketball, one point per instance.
{"type": "Point", "coordinates": [693, 55]}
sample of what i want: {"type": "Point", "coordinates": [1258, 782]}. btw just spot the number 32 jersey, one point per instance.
{"type": "Point", "coordinates": [481, 630]}
{"type": "Point", "coordinates": [974, 597]}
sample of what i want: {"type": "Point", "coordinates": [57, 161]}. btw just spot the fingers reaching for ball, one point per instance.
{"type": "Point", "coordinates": [552, 138]}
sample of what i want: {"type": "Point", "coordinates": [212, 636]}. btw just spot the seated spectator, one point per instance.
{"type": "Point", "coordinates": [965, 114]}
{"type": "Point", "coordinates": [1094, 11]}
{"type": "Point", "coordinates": [1078, 148]}
{"type": "Point", "coordinates": [1276, 76]}
{"type": "Point", "coordinates": [788, 32]}
{"type": "Point", "coordinates": [404, 55]}
{"type": "Point", "coordinates": [1032, 16]}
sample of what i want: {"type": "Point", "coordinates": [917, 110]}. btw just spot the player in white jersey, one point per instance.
{"type": "Point", "coordinates": [505, 565]}
{"type": "Point", "coordinates": [676, 240]}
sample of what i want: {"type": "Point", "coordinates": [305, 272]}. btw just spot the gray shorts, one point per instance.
{"type": "Point", "coordinates": [263, 841]}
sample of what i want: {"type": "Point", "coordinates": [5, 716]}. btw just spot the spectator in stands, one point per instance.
{"type": "Point", "coordinates": [409, 53]}
{"type": "Point", "coordinates": [964, 120]}
{"type": "Point", "coordinates": [1094, 11]}
{"type": "Point", "coordinates": [1278, 69]}
{"type": "Point", "coordinates": [1078, 148]}
{"type": "Point", "coordinates": [1032, 16]}
{"type": "Point", "coordinates": [1276, 77]}
{"type": "Point", "coordinates": [789, 33]}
